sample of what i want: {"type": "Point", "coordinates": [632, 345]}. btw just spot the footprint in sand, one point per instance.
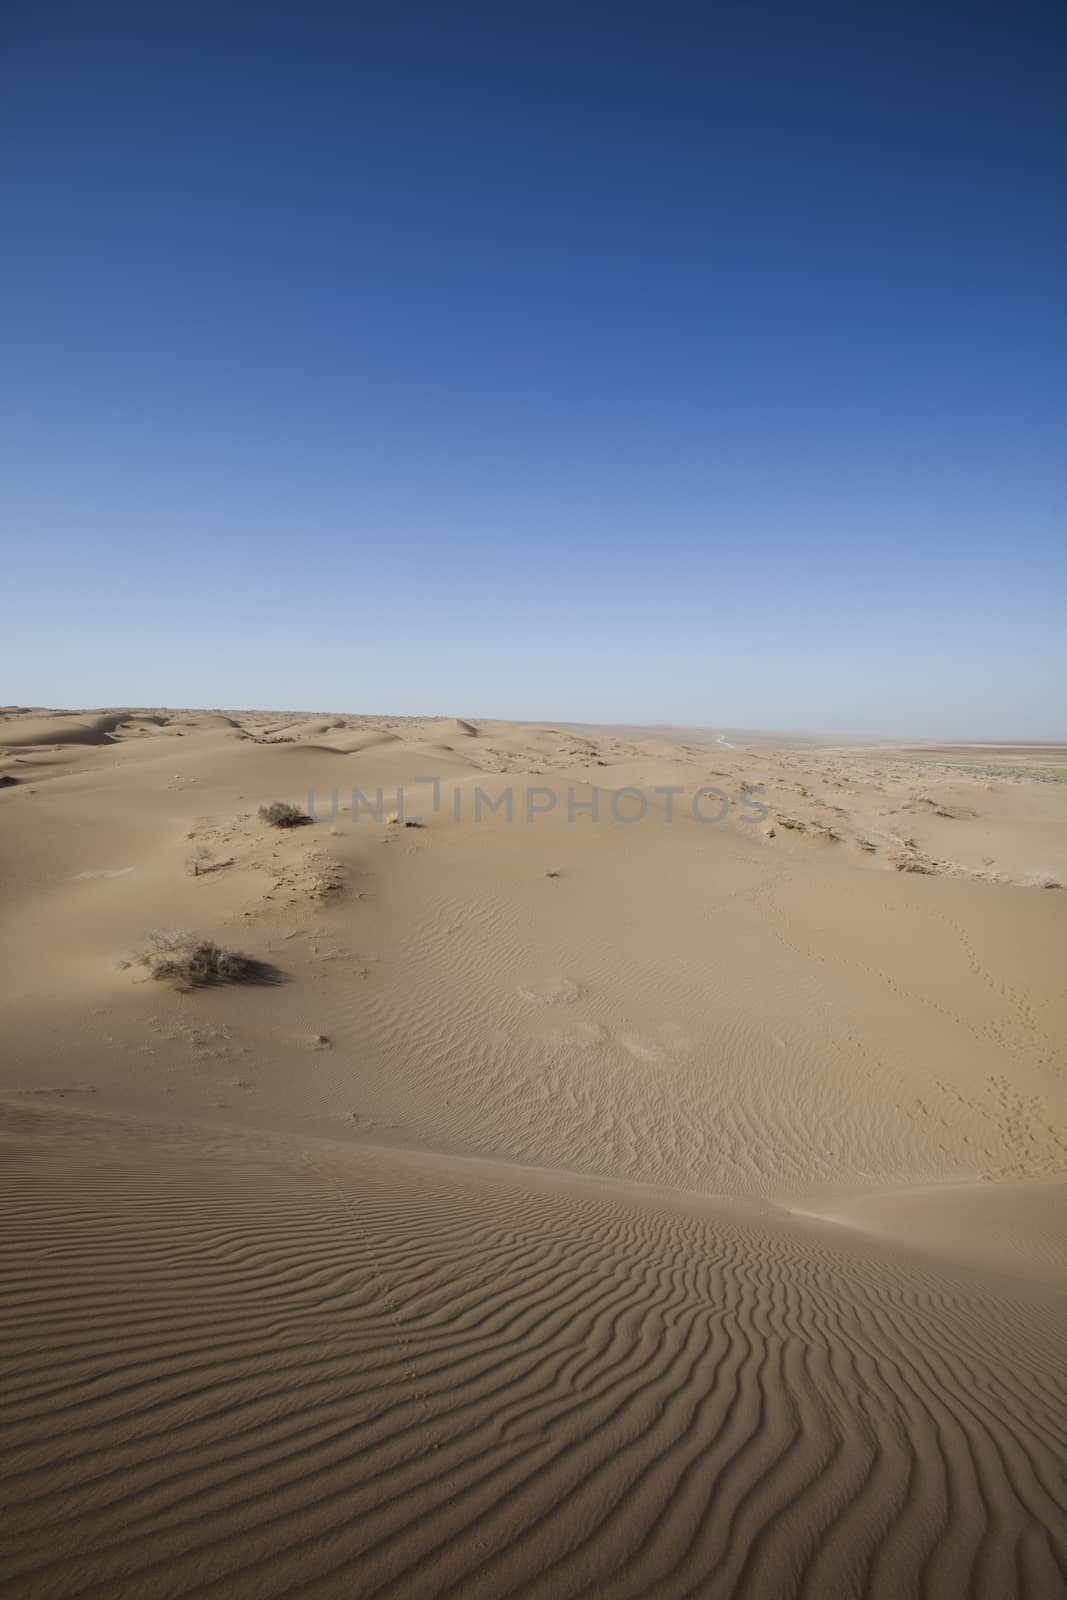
{"type": "Point", "coordinates": [559, 991]}
{"type": "Point", "coordinates": [667, 1042]}
{"type": "Point", "coordinates": [580, 1036]}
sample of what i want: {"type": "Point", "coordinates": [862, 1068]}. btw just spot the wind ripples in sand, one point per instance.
{"type": "Point", "coordinates": [235, 1367]}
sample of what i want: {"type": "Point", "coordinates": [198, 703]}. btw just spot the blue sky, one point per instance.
{"type": "Point", "coordinates": [680, 363]}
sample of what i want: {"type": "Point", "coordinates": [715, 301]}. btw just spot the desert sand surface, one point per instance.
{"type": "Point", "coordinates": [623, 1205]}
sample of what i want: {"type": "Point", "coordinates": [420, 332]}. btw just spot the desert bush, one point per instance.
{"type": "Point", "coordinates": [280, 814]}
{"type": "Point", "coordinates": [200, 860]}
{"type": "Point", "coordinates": [188, 958]}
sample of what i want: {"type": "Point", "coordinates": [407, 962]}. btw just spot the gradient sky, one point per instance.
{"type": "Point", "coordinates": [655, 362]}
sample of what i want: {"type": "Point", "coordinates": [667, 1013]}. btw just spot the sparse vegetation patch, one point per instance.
{"type": "Point", "coordinates": [190, 960]}
{"type": "Point", "coordinates": [280, 814]}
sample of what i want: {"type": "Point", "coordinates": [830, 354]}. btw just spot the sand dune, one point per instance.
{"type": "Point", "coordinates": [55, 728]}
{"type": "Point", "coordinates": [629, 1205]}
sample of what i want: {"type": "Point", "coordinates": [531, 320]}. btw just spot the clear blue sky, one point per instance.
{"type": "Point", "coordinates": [693, 363]}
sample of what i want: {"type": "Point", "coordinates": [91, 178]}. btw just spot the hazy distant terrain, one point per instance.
{"type": "Point", "coordinates": [614, 1202]}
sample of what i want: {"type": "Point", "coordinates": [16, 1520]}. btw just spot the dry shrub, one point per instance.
{"type": "Point", "coordinates": [187, 958]}
{"type": "Point", "coordinates": [280, 814]}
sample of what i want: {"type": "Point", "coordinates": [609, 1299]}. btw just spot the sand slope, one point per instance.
{"type": "Point", "coordinates": [588, 1207]}
{"type": "Point", "coordinates": [247, 1370]}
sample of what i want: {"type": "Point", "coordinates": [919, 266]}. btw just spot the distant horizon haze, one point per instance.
{"type": "Point", "coordinates": [650, 726]}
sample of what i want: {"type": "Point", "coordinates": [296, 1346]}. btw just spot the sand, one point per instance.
{"type": "Point", "coordinates": [569, 1207]}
